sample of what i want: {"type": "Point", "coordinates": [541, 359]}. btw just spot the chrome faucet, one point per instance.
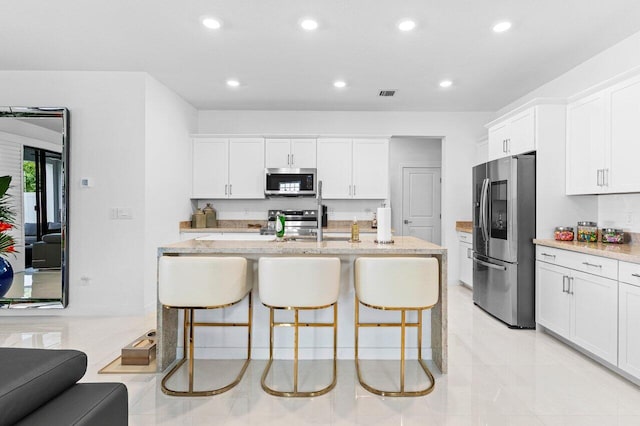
{"type": "Point", "coordinates": [319, 197]}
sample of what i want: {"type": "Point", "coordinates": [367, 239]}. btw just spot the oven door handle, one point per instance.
{"type": "Point", "coordinates": [489, 265]}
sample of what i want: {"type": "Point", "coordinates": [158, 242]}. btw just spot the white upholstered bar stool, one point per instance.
{"type": "Point", "coordinates": [299, 283]}
{"type": "Point", "coordinates": [194, 282]}
{"type": "Point", "coordinates": [402, 284]}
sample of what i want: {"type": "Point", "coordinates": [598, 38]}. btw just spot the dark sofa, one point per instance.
{"type": "Point", "coordinates": [39, 387]}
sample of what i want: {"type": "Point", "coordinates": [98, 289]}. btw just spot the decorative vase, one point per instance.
{"type": "Point", "coordinates": [6, 276]}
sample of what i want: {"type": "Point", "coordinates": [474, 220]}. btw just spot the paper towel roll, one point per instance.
{"type": "Point", "coordinates": [384, 224]}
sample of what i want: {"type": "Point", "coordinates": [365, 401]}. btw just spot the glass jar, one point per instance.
{"type": "Point", "coordinates": [587, 232]}
{"type": "Point", "coordinates": [613, 236]}
{"type": "Point", "coordinates": [563, 233]}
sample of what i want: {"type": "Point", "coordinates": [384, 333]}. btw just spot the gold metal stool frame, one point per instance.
{"type": "Point", "coordinates": [188, 330]}
{"type": "Point", "coordinates": [403, 325]}
{"type": "Point", "coordinates": [296, 324]}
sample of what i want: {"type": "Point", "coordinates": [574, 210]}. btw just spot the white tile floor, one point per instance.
{"type": "Point", "coordinates": [497, 376]}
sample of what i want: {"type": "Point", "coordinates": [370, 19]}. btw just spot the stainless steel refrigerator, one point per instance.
{"type": "Point", "coordinates": [504, 225]}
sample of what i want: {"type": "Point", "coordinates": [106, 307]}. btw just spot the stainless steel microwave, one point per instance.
{"type": "Point", "coordinates": [290, 182]}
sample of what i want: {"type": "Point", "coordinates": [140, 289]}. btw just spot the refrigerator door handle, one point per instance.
{"type": "Point", "coordinates": [483, 209]}
{"type": "Point", "coordinates": [489, 265]}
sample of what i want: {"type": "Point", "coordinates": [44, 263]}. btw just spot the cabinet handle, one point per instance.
{"type": "Point", "coordinates": [635, 275]}
{"type": "Point", "coordinates": [470, 253]}
{"type": "Point", "coordinates": [354, 190]}
{"type": "Point", "coordinates": [349, 190]}
{"type": "Point", "coordinates": [598, 178]}
{"type": "Point", "coordinates": [570, 285]}
{"type": "Point", "coordinates": [564, 280]}
{"type": "Point", "coordinates": [591, 264]}
{"type": "Point", "coordinates": [548, 255]}
{"type": "Point", "coordinates": [605, 177]}
{"type": "Point", "coordinates": [288, 159]}
{"type": "Point", "coordinates": [504, 142]}
{"type": "Point", "coordinates": [230, 186]}
{"type": "Point", "coordinates": [292, 162]}
{"type": "Point", "coordinates": [225, 189]}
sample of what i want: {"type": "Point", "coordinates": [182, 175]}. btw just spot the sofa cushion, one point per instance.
{"type": "Point", "coordinates": [30, 378]}
{"type": "Point", "coordinates": [52, 238]}
{"type": "Point", "coordinates": [90, 404]}
{"type": "Point", "coordinates": [30, 229]}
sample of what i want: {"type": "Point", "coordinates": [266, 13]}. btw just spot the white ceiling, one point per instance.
{"type": "Point", "coordinates": [282, 67]}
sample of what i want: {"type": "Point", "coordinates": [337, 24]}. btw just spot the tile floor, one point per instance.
{"type": "Point", "coordinates": [497, 376]}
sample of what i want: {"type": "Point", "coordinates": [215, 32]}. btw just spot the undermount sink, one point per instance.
{"type": "Point", "coordinates": [237, 237]}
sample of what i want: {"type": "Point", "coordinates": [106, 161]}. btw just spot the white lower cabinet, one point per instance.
{"type": "Point", "coordinates": [465, 250]}
{"type": "Point", "coordinates": [629, 319]}
{"type": "Point", "coordinates": [581, 307]}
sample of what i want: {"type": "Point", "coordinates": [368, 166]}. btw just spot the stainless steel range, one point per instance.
{"type": "Point", "coordinates": [297, 222]}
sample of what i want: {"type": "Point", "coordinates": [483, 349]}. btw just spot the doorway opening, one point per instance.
{"type": "Point", "coordinates": [415, 166]}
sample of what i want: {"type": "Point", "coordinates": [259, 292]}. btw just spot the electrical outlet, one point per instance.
{"type": "Point", "coordinates": [85, 280]}
{"type": "Point", "coordinates": [628, 218]}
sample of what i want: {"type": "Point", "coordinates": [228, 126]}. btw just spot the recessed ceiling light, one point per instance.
{"type": "Point", "coordinates": [309, 24]}
{"type": "Point", "coordinates": [339, 84]}
{"type": "Point", "coordinates": [502, 27]}
{"type": "Point", "coordinates": [211, 23]}
{"type": "Point", "coordinates": [406, 25]}
{"type": "Point", "coordinates": [446, 83]}
{"type": "Point", "coordinates": [233, 83]}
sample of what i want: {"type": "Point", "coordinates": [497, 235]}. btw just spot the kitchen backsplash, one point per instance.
{"type": "Point", "coordinates": [619, 211]}
{"type": "Point", "coordinates": [257, 209]}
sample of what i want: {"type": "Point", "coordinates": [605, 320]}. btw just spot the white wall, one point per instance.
{"type": "Point", "coordinates": [459, 132]}
{"type": "Point", "coordinates": [108, 143]}
{"type": "Point", "coordinates": [167, 165]}
{"type": "Point", "coordinates": [407, 151]}
{"type": "Point", "coordinates": [619, 211]}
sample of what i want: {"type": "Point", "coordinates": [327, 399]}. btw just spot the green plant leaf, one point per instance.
{"type": "Point", "coordinates": [5, 181]}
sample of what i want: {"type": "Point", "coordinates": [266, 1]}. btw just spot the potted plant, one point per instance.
{"type": "Point", "coordinates": [7, 243]}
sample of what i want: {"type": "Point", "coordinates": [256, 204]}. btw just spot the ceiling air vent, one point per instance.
{"type": "Point", "coordinates": [387, 93]}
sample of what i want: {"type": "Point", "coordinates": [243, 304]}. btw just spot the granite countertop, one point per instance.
{"type": "Point", "coordinates": [402, 246]}
{"type": "Point", "coordinates": [464, 226]}
{"type": "Point", "coordinates": [625, 252]}
{"type": "Point", "coordinates": [242, 226]}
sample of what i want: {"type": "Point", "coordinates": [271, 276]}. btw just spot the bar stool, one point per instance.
{"type": "Point", "coordinates": [192, 282]}
{"type": "Point", "coordinates": [401, 284]}
{"type": "Point", "coordinates": [299, 283]}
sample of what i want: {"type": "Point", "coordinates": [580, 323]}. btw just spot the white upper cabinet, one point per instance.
{"type": "Point", "coordinates": [210, 167]}
{"type": "Point", "coordinates": [290, 153]}
{"type": "Point", "coordinates": [624, 137]}
{"type": "Point", "coordinates": [335, 167]}
{"type": "Point", "coordinates": [515, 135]}
{"type": "Point", "coordinates": [602, 134]}
{"type": "Point", "coordinates": [228, 167]}
{"type": "Point", "coordinates": [585, 145]}
{"type": "Point", "coordinates": [353, 168]}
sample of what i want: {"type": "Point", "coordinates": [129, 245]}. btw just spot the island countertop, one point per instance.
{"type": "Point", "coordinates": [253, 250]}
{"type": "Point", "coordinates": [367, 246]}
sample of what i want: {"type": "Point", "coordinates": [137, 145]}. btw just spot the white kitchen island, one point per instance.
{"type": "Point", "coordinates": [381, 343]}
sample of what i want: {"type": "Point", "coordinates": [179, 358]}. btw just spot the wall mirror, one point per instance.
{"type": "Point", "coordinates": [34, 151]}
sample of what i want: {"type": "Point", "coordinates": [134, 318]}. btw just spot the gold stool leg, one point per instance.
{"type": "Point", "coordinates": [188, 330]}
{"type": "Point", "coordinates": [296, 324]}
{"type": "Point", "coordinates": [402, 325]}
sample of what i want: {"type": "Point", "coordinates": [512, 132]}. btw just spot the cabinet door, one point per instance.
{"type": "Point", "coordinates": [277, 153]}
{"type": "Point", "coordinates": [498, 141]}
{"type": "Point", "coordinates": [629, 321]}
{"type": "Point", "coordinates": [521, 137]}
{"type": "Point", "coordinates": [246, 168]}
{"type": "Point", "coordinates": [466, 264]}
{"type": "Point", "coordinates": [595, 315]}
{"type": "Point", "coordinates": [586, 145]}
{"type": "Point", "coordinates": [553, 302]}
{"type": "Point", "coordinates": [210, 168]}
{"type": "Point", "coordinates": [303, 153]}
{"type": "Point", "coordinates": [335, 168]}
{"type": "Point", "coordinates": [370, 168]}
{"type": "Point", "coordinates": [623, 173]}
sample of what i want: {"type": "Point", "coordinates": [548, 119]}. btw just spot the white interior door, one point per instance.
{"type": "Point", "coordinates": [421, 203]}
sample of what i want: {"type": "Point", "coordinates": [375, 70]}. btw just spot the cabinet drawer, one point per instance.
{"type": "Point", "coordinates": [629, 273]}
{"type": "Point", "coordinates": [465, 237]}
{"type": "Point", "coordinates": [595, 265]}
